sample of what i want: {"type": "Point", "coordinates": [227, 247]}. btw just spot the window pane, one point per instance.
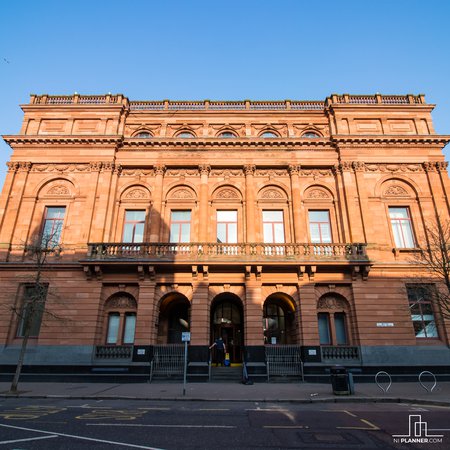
{"type": "Point", "coordinates": [232, 233]}
{"type": "Point", "coordinates": [279, 233]}
{"type": "Point", "coordinates": [181, 216]}
{"type": "Point", "coordinates": [175, 232]}
{"type": "Point", "coordinates": [130, 325]}
{"type": "Point", "coordinates": [319, 227]}
{"type": "Point", "coordinates": [273, 216]}
{"type": "Point", "coordinates": [422, 316]}
{"type": "Point", "coordinates": [221, 232]}
{"type": "Point", "coordinates": [324, 328]}
{"type": "Point", "coordinates": [53, 222]}
{"type": "Point", "coordinates": [401, 227]}
{"type": "Point", "coordinates": [226, 216]}
{"type": "Point", "coordinates": [185, 232]}
{"type": "Point", "coordinates": [134, 216]}
{"type": "Point", "coordinates": [113, 328]}
{"type": "Point", "coordinates": [128, 233]}
{"type": "Point", "coordinates": [139, 233]}
{"type": "Point", "coordinates": [268, 233]}
{"type": "Point", "coordinates": [339, 324]}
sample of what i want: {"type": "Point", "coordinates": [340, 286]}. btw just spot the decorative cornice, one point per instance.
{"type": "Point", "coordinates": [159, 169]}
{"type": "Point", "coordinates": [66, 140]}
{"type": "Point", "coordinates": [441, 166]}
{"type": "Point", "coordinates": [386, 139]}
{"type": "Point", "coordinates": [249, 169]}
{"type": "Point", "coordinates": [204, 169]}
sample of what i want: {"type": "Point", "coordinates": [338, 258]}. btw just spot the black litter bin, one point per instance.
{"type": "Point", "coordinates": [339, 380]}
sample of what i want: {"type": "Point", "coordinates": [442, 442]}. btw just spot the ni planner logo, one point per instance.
{"type": "Point", "coordinates": [418, 433]}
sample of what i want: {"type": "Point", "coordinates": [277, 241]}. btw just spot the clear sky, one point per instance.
{"type": "Point", "coordinates": [222, 49]}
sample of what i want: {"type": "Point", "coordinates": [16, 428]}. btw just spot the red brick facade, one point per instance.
{"type": "Point", "coordinates": [260, 221]}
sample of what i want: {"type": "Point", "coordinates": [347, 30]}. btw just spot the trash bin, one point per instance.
{"type": "Point", "coordinates": [339, 380]}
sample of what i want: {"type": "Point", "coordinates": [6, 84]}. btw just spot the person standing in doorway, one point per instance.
{"type": "Point", "coordinates": [220, 350]}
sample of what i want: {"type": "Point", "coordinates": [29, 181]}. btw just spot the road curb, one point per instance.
{"type": "Point", "coordinates": [416, 401]}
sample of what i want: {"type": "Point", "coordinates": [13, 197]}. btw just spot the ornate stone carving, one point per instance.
{"type": "Point", "coordinates": [441, 166]}
{"type": "Point", "coordinates": [272, 194]}
{"type": "Point", "coordinates": [345, 166]}
{"type": "Point", "coordinates": [136, 194]}
{"type": "Point", "coordinates": [12, 166]}
{"type": "Point", "coordinates": [330, 302]}
{"type": "Point", "coordinates": [358, 166]}
{"type": "Point", "coordinates": [429, 166]}
{"type": "Point", "coordinates": [249, 169]}
{"type": "Point", "coordinates": [227, 194]}
{"type": "Point", "coordinates": [95, 166]}
{"type": "Point", "coordinates": [159, 169]}
{"type": "Point", "coordinates": [395, 190]}
{"type": "Point", "coordinates": [226, 173]}
{"type": "Point", "coordinates": [182, 194]}
{"type": "Point", "coordinates": [317, 194]}
{"type": "Point", "coordinates": [24, 166]}
{"type": "Point", "coordinates": [293, 169]}
{"type": "Point", "coordinates": [121, 301]}
{"type": "Point", "coordinates": [204, 169]}
{"type": "Point", "coordinates": [58, 189]}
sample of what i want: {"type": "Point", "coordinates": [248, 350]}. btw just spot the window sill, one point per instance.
{"type": "Point", "coordinates": [397, 251]}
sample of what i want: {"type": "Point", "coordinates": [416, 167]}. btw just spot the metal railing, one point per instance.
{"type": "Point", "coordinates": [113, 351]}
{"type": "Point", "coordinates": [242, 251]}
{"type": "Point", "coordinates": [168, 360]}
{"type": "Point", "coordinates": [334, 353]}
{"type": "Point", "coordinates": [284, 360]}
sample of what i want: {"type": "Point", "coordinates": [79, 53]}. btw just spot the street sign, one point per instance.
{"type": "Point", "coordinates": [185, 336]}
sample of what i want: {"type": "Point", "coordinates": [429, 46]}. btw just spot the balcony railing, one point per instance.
{"type": "Point", "coordinates": [334, 354]}
{"type": "Point", "coordinates": [113, 351]}
{"type": "Point", "coordinates": [220, 251]}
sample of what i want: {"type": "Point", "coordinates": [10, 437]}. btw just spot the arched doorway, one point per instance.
{"type": "Point", "coordinates": [173, 318]}
{"type": "Point", "coordinates": [279, 320]}
{"type": "Point", "coordinates": [227, 320]}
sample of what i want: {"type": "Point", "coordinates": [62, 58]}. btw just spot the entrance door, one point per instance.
{"type": "Point", "coordinates": [227, 322]}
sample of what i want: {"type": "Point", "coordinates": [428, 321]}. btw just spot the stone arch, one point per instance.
{"type": "Point", "coordinates": [269, 130]}
{"type": "Point", "coordinates": [135, 192]}
{"type": "Point", "coordinates": [56, 188]}
{"type": "Point", "coordinates": [272, 192]}
{"type": "Point", "coordinates": [227, 192]}
{"type": "Point", "coordinates": [318, 192]}
{"type": "Point", "coordinates": [227, 321]}
{"type": "Point", "coordinates": [279, 322]}
{"type": "Point", "coordinates": [142, 131]}
{"type": "Point", "coordinates": [398, 186]}
{"type": "Point", "coordinates": [181, 192]}
{"type": "Point", "coordinates": [173, 317]}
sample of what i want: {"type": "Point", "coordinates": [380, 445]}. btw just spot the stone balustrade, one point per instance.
{"type": "Point", "coordinates": [220, 251]}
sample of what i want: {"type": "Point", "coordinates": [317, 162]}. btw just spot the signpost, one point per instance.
{"type": "Point", "coordinates": [185, 337]}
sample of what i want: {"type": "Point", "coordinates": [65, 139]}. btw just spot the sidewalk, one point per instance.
{"type": "Point", "coordinates": [258, 392]}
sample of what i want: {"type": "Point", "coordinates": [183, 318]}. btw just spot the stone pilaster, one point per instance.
{"type": "Point", "coordinates": [203, 207]}
{"type": "Point", "coordinates": [156, 211]}
{"type": "Point", "coordinates": [249, 203]}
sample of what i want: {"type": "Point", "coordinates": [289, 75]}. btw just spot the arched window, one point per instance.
{"type": "Point", "coordinates": [278, 321]}
{"type": "Point", "coordinates": [120, 310]}
{"type": "Point", "coordinates": [186, 135]}
{"type": "Point", "coordinates": [143, 135]}
{"type": "Point", "coordinates": [268, 134]}
{"type": "Point", "coordinates": [310, 134]}
{"type": "Point", "coordinates": [332, 317]}
{"type": "Point", "coordinates": [227, 135]}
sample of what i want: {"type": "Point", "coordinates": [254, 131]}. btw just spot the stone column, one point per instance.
{"type": "Point", "coordinates": [156, 211]}
{"type": "Point", "coordinates": [249, 203]}
{"type": "Point", "coordinates": [253, 312]}
{"type": "Point", "coordinates": [200, 319]}
{"type": "Point", "coordinates": [308, 313]}
{"type": "Point", "coordinates": [13, 191]}
{"type": "Point", "coordinates": [445, 183]}
{"type": "Point", "coordinates": [115, 170]}
{"type": "Point", "coordinates": [359, 168]}
{"type": "Point", "coordinates": [146, 314]}
{"type": "Point", "coordinates": [355, 232]}
{"type": "Point", "coordinates": [437, 187]}
{"type": "Point", "coordinates": [203, 206]}
{"type": "Point", "coordinates": [300, 234]}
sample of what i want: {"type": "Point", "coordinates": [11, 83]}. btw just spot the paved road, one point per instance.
{"type": "Point", "coordinates": [49, 424]}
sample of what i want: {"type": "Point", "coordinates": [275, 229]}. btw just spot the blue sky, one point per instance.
{"type": "Point", "coordinates": [268, 50]}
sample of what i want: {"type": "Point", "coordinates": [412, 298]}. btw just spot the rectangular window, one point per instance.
{"type": "Point", "coordinates": [130, 326]}
{"type": "Point", "coordinates": [53, 223]}
{"type": "Point", "coordinates": [133, 230]}
{"type": "Point", "coordinates": [113, 328]}
{"type": "Point", "coordinates": [33, 306]}
{"type": "Point", "coordinates": [339, 325]}
{"type": "Point", "coordinates": [319, 227]}
{"type": "Point", "coordinates": [180, 226]}
{"type": "Point", "coordinates": [401, 227]}
{"type": "Point", "coordinates": [273, 227]}
{"type": "Point", "coordinates": [419, 297]}
{"type": "Point", "coordinates": [227, 227]}
{"type": "Point", "coordinates": [324, 328]}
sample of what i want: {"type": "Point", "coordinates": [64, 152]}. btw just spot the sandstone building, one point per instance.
{"type": "Point", "coordinates": [270, 223]}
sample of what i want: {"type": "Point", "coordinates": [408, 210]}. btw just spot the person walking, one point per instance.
{"type": "Point", "coordinates": [220, 350]}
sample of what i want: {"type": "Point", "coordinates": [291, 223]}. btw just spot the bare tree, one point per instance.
{"type": "Point", "coordinates": [33, 305]}
{"type": "Point", "coordinates": [435, 259]}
